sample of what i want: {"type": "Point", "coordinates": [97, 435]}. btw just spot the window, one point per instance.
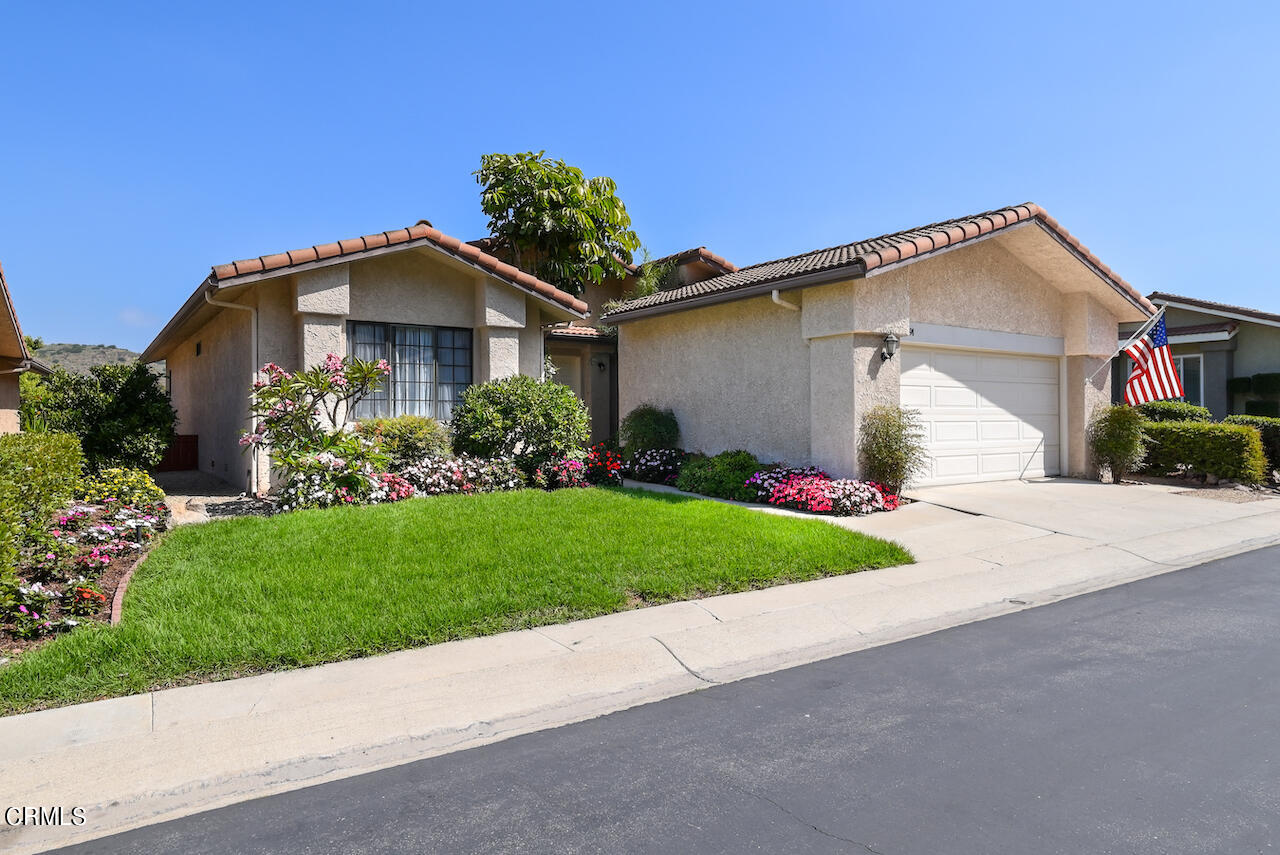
{"type": "Point", "coordinates": [430, 366]}
{"type": "Point", "coordinates": [1188, 369]}
{"type": "Point", "coordinates": [1192, 386]}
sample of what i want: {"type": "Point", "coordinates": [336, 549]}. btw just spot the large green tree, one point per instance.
{"type": "Point", "coordinates": [555, 222]}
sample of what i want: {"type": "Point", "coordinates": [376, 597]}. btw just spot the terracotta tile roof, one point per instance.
{"type": "Point", "coordinates": [1210, 306]}
{"type": "Point", "coordinates": [575, 331]}
{"type": "Point", "coordinates": [423, 232]}
{"type": "Point", "coordinates": [698, 253]}
{"type": "Point", "coordinates": [23, 353]}
{"type": "Point", "coordinates": [861, 257]}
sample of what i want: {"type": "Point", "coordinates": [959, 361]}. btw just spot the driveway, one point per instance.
{"type": "Point", "coordinates": [1006, 522]}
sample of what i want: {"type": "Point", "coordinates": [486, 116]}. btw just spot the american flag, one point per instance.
{"type": "Point", "coordinates": [1154, 377]}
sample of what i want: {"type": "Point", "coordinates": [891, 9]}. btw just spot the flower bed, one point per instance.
{"type": "Point", "coordinates": [805, 488]}
{"type": "Point", "coordinates": [69, 572]}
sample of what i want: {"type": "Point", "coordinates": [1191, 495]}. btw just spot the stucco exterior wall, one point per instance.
{"type": "Point", "coordinates": [211, 392]}
{"type": "Point", "coordinates": [9, 384]}
{"type": "Point", "coordinates": [982, 286]}
{"type": "Point", "coordinates": [736, 375]}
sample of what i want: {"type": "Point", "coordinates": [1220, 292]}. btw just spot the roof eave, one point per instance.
{"type": "Point", "coordinates": [853, 270]}
{"type": "Point", "coordinates": [1171, 301]}
{"type": "Point", "coordinates": [160, 345]}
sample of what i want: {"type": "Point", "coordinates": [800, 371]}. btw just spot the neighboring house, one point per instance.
{"type": "Point", "coordinates": [1004, 321]}
{"type": "Point", "coordinates": [1217, 350]}
{"type": "Point", "coordinates": [443, 312]}
{"type": "Point", "coordinates": [15, 360]}
{"type": "Point", "coordinates": [586, 356]}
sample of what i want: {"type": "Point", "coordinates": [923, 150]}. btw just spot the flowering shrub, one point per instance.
{"type": "Point", "coordinates": [557, 474]}
{"type": "Point", "coordinates": [125, 486]}
{"type": "Point", "coordinates": [764, 481]}
{"type": "Point", "coordinates": [657, 465]}
{"type": "Point", "coordinates": [817, 493]}
{"type": "Point", "coordinates": [437, 475]}
{"type": "Point", "coordinates": [603, 465]}
{"type": "Point", "coordinates": [302, 420]}
{"type": "Point", "coordinates": [29, 623]}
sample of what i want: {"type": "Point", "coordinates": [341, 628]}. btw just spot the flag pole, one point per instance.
{"type": "Point", "coordinates": [1139, 334]}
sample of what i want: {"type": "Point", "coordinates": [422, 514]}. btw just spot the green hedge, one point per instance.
{"type": "Point", "coordinates": [39, 473]}
{"type": "Point", "coordinates": [1240, 385]}
{"type": "Point", "coordinates": [1269, 429]}
{"type": "Point", "coordinates": [1262, 408]}
{"type": "Point", "coordinates": [1174, 411]}
{"type": "Point", "coordinates": [1225, 450]}
{"type": "Point", "coordinates": [723, 476]}
{"type": "Point", "coordinates": [1266, 384]}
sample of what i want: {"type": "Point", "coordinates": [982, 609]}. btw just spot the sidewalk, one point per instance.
{"type": "Point", "coordinates": [984, 551]}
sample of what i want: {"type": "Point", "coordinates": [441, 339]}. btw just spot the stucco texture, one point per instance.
{"type": "Point", "coordinates": [9, 403]}
{"type": "Point", "coordinates": [303, 316]}
{"type": "Point", "coordinates": [736, 376]}
{"type": "Point", "coordinates": [794, 385]}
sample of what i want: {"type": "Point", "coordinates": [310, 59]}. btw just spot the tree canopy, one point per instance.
{"type": "Point", "coordinates": [556, 223]}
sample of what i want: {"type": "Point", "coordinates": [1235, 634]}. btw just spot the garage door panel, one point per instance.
{"type": "Point", "coordinates": [956, 365]}
{"type": "Point", "coordinates": [955, 396]}
{"type": "Point", "coordinates": [986, 416]}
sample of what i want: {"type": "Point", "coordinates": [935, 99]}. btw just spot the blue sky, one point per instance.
{"type": "Point", "coordinates": [139, 144]}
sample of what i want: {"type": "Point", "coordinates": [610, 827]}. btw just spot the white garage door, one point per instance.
{"type": "Point", "coordinates": [989, 416]}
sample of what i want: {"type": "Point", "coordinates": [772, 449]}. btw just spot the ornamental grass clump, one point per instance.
{"type": "Point", "coordinates": [892, 447]}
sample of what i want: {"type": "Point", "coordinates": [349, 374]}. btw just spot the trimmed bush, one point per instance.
{"type": "Point", "coordinates": [39, 473]}
{"type": "Point", "coordinates": [1116, 440]}
{"type": "Point", "coordinates": [1268, 429]}
{"type": "Point", "coordinates": [1270, 409]}
{"type": "Point", "coordinates": [120, 413]}
{"type": "Point", "coordinates": [723, 476]}
{"type": "Point", "coordinates": [1199, 448]}
{"type": "Point", "coordinates": [1240, 385]}
{"type": "Point", "coordinates": [892, 447]}
{"type": "Point", "coordinates": [530, 421]}
{"type": "Point", "coordinates": [407, 439]}
{"type": "Point", "coordinates": [647, 427]}
{"type": "Point", "coordinates": [1266, 384]}
{"type": "Point", "coordinates": [1174, 411]}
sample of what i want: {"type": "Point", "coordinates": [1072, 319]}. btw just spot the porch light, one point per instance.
{"type": "Point", "coordinates": [890, 347]}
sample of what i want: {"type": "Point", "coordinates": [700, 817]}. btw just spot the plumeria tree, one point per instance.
{"type": "Point", "coordinates": [302, 420]}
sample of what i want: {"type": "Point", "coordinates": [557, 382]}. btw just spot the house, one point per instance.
{"type": "Point", "coordinates": [585, 356]}
{"type": "Point", "coordinates": [15, 360]}
{"type": "Point", "coordinates": [997, 327]}
{"type": "Point", "coordinates": [443, 312]}
{"type": "Point", "coordinates": [1227, 356]}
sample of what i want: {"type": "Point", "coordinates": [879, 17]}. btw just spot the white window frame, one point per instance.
{"type": "Point", "coordinates": [1198, 357]}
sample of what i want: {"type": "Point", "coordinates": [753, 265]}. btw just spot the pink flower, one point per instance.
{"type": "Point", "coordinates": [384, 366]}
{"type": "Point", "coordinates": [333, 363]}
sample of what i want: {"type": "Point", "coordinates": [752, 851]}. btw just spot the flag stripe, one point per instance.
{"type": "Point", "coordinates": [1155, 375]}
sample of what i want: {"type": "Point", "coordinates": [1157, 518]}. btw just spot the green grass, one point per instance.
{"type": "Point", "coordinates": [253, 594]}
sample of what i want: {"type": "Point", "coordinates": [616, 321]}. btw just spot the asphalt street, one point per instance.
{"type": "Point", "coordinates": [1140, 719]}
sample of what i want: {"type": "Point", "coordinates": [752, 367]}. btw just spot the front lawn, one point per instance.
{"type": "Point", "coordinates": [253, 594]}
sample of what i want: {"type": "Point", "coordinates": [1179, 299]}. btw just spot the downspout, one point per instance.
{"type": "Point", "coordinates": [783, 303]}
{"type": "Point", "coordinates": [253, 360]}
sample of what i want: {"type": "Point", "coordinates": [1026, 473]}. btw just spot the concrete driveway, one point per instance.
{"type": "Point", "coordinates": [1006, 522]}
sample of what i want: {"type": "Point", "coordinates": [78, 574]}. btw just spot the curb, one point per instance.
{"type": "Point", "coordinates": [117, 602]}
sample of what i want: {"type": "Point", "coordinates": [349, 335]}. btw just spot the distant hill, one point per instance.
{"type": "Point", "coordinates": [82, 357]}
